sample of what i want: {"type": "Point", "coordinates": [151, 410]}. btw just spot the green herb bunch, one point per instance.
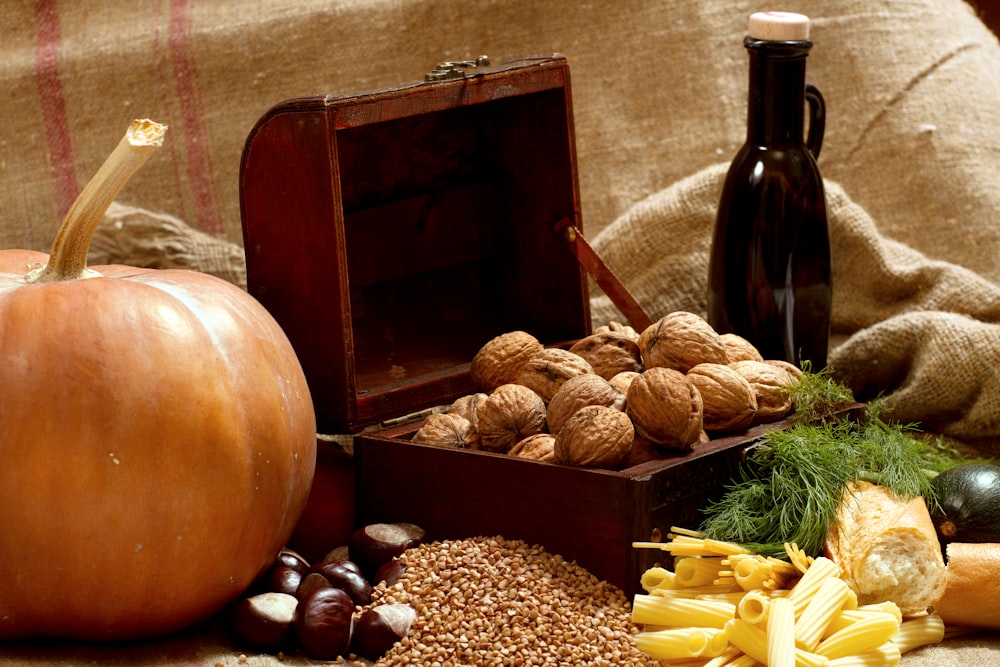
{"type": "Point", "coordinates": [793, 480]}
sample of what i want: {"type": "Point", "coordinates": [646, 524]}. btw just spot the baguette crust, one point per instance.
{"type": "Point", "coordinates": [972, 593]}
{"type": "Point", "coordinates": [887, 549]}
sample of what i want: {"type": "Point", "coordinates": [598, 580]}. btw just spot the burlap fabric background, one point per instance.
{"type": "Point", "coordinates": [911, 152]}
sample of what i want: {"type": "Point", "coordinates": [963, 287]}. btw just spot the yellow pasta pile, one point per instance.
{"type": "Point", "coordinates": [723, 606]}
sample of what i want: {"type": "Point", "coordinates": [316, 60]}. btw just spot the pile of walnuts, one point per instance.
{"type": "Point", "coordinates": [615, 398]}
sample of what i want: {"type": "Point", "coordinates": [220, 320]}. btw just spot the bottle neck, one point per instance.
{"type": "Point", "coordinates": [776, 100]}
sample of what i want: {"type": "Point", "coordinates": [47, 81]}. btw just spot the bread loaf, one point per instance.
{"type": "Point", "coordinates": [887, 549]}
{"type": "Point", "coordinates": [972, 592]}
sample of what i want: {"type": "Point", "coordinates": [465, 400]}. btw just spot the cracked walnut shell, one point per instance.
{"type": "Point", "coordinates": [546, 371]}
{"type": "Point", "coordinates": [595, 436]}
{"type": "Point", "coordinates": [609, 353]}
{"type": "Point", "coordinates": [578, 392]}
{"type": "Point", "coordinates": [729, 403]}
{"type": "Point", "coordinates": [770, 383]}
{"type": "Point", "coordinates": [681, 340]}
{"type": "Point", "coordinates": [666, 408]}
{"type": "Point", "coordinates": [447, 430]}
{"type": "Point", "coordinates": [509, 414]}
{"type": "Point", "coordinates": [500, 359]}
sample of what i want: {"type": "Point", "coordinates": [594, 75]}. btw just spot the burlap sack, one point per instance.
{"type": "Point", "coordinates": [925, 331]}
{"type": "Point", "coordinates": [137, 237]}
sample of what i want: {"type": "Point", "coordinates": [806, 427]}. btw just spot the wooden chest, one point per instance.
{"type": "Point", "coordinates": [392, 234]}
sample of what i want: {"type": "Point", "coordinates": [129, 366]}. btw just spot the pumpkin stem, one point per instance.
{"type": "Point", "coordinates": [68, 259]}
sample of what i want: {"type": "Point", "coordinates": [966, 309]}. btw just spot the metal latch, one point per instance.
{"type": "Point", "coordinates": [455, 69]}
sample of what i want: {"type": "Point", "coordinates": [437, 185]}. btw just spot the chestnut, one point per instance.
{"type": "Point", "coordinates": [324, 623]}
{"type": "Point", "coordinates": [283, 579]}
{"type": "Point", "coordinates": [338, 553]}
{"type": "Point", "coordinates": [265, 621]}
{"type": "Point", "coordinates": [346, 575]}
{"type": "Point", "coordinates": [379, 628]}
{"type": "Point", "coordinates": [288, 558]}
{"type": "Point", "coordinates": [311, 582]}
{"type": "Point", "coordinates": [390, 572]}
{"type": "Point", "coordinates": [376, 544]}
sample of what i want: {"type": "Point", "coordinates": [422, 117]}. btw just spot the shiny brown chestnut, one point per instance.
{"type": "Point", "coordinates": [346, 575]}
{"type": "Point", "coordinates": [265, 621]}
{"type": "Point", "coordinates": [378, 629]}
{"type": "Point", "coordinates": [376, 544]}
{"type": "Point", "coordinates": [324, 623]}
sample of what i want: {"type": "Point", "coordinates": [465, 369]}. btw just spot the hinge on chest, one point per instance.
{"type": "Point", "coordinates": [455, 69]}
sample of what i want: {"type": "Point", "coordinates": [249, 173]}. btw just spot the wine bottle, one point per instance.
{"type": "Point", "coordinates": [769, 266]}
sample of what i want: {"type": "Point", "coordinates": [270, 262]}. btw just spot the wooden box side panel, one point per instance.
{"type": "Point", "coordinates": [579, 514]}
{"type": "Point", "coordinates": [289, 199]}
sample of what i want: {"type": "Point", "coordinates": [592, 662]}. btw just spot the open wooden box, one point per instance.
{"type": "Point", "coordinates": [392, 234]}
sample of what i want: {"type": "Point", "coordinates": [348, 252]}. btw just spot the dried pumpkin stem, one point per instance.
{"type": "Point", "coordinates": [68, 259]}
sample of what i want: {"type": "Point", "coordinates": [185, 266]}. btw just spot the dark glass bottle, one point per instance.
{"type": "Point", "coordinates": [769, 268]}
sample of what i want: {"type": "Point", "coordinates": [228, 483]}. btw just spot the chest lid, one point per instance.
{"type": "Point", "coordinates": [392, 233]}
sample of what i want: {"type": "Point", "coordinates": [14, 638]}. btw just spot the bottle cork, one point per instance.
{"type": "Point", "coordinates": [779, 26]}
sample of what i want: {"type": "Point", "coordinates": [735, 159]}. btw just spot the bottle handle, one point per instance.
{"type": "Point", "coordinates": [817, 119]}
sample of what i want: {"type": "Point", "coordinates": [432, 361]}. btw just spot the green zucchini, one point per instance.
{"type": "Point", "coordinates": [968, 503]}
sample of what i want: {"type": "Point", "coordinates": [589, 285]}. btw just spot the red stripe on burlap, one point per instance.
{"type": "Point", "coordinates": [53, 104]}
{"type": "Point", "coordinates": [192, 112]}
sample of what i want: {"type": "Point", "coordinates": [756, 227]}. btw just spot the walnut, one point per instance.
{"type": "Point", "coordinates": [500, 359]}
{"type": "Point", "coordinates": [666, 408]}
{"type": "Point", "coordinates": [510, 413]}
{"type": "Point", "coordinates": [623, 380]}
{"type": "Point", "coordinates": [580, 391]}
{"type": "Point", "coordinates": [545, 372]}
{"type": "Point", "coordinates": [538, 447]}
{"type": "Point", "coordinates": [595, 436]}
{"type": "Point", "coordinates": [739, 348]}
{"type": "Point", "coordinates": [447, 430]}
{"type": "Point", "coordinates": [771, 383]}
{"type": "Point", "coordinates": [465, 406]}
{"type": "Point", "coordinates": [791, 368]}
{"type": "Point", "coordinates": [609, 353]}
{"type": "Point", "coordinates": [679, 341]}
{"type": "Point", "coordinates": [729, 403]}
{"type": "Point", "coordinates": [642, 451]}
{"type": "Point", "coordinates": [618, 327]}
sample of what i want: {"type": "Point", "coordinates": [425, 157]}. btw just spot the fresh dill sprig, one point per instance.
{"type": "Point", "coordinates": [794, 480]}
{"type": "Point", "coordinates": [817, 395]}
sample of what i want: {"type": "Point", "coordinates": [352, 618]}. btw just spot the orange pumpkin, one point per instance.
{"type": "Point", "coordinates": [156, 432]}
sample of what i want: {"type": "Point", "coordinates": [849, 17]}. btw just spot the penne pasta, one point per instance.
{"type": "Point", "coordinates": [696, 591]}
{"type": "Point", "coordinates": [886, 655]}
{"type": "Point", "coordinates": [829, 600]}
{"type": "Point", "coordinates": [682, 643]}
{"type": "Point", "coordinates": [695, 571]}
{"type": "Point", "coordinates": [753, 607]}
{"type": "Point", "coordinates": [681, 612]}
{"type": "Point", "coordinates": [866, 634]}
{"type": "Point", "coordinates": [742, 661]}
{"type": "Point", "coordinates": [919, 631]}
{"type": "Point", "coordinates": [803, 591]}
{"type": "Point", "coordinates": [748, 638]}
{"type": "Point", "coordinates": [656, 577]}
{"type": "Point", "coordinates": [751, 572]}
{"type": "Point", "coordinates": [781, 633]}
{"type": "Point", "coordinates": [723, 606]}
{"type": "Point", "coordinates": [726, 657]}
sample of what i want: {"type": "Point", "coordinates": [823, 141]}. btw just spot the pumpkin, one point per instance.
{"type": "Point", "coordinates": [157, 435]}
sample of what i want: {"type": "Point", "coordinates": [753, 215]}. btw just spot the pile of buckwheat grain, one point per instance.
{"type": "Point", "coordinates": [491, 601]}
